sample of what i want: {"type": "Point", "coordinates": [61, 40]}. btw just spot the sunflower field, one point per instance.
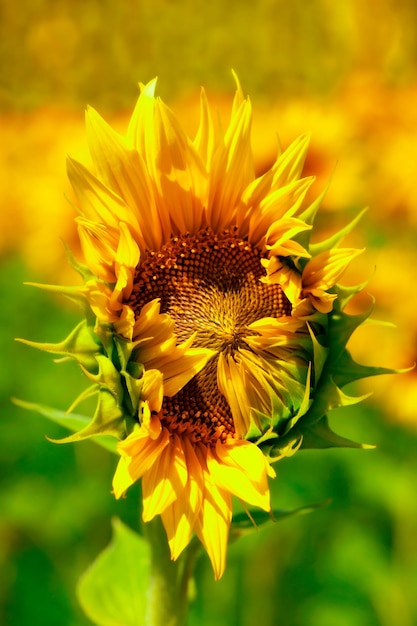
{"type": "Point", "coordinates": [346, 74]}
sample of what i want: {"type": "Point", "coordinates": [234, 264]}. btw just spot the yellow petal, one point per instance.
{"type": "Point", "coordinates": [122, 478]}
{"type": "Point", "coordinates": [290, 163]}
{"type": "Point", "coordinates": [232, 386]}
{"type": "Point", "coordinates": [152, 389]}
{"type": "Point", "coordinates": [251, 198]}
{"type": "Point", "coordinates": [279, 237]}
{"type": "Point", "coordinates": [123, 170]}
{"type": "Point", "coordinates": [204, 141]}
{"type": "Point", "coordinates": [98, 202]}
{"type": "Point", "coordinates": [324, 270]}
{"type": "Point", "coordinates": [232, 170]}
{"type": "Point", "coordinates": [278, 273]}
{"type": "Point", "coordinates": [139, 453]}
{"type": "Point", "coordinates": [165, 480]}
{"type": "Point", "coordinates": [179, 172]}
{"type": "Point", "coordinates": [137, 124]}
{"type": "Point", "coordinates": [269, 195]}
{"type": "Point", "coordinates": [179, 519]}
{"type": "Point", "coordinates": [127, 258]}
{"type": "Point", "coordinates": [127, 251]}
{"type": "Point", "coordinates": [181, 369]}
{"type": "Point", "coordinates": [213, 523]}
{"type": "Point", "coordinates": [98, 295]}
{"type": "Point", "coordinates": [280, 203]}
{"type": "Point", "coordinates": [240, 468]}
{"type": "Point", "coordinates": [98, 244]}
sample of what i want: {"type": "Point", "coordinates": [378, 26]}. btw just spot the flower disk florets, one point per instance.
{"type": "Point", "coordinates": [210, 286]}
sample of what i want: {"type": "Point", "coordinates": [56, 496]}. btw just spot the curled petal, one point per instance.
{"type": "Point", "coordinates": [138, 453]}
{"type": "Point", "coordinates": [322, 272]}
{"type": "Point", "coordinates": [228, 466]}
{"type": "Point", "coordinates": [279, 273]}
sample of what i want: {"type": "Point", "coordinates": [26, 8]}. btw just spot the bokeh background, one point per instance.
{"type": "Point", "coordinates": [346, 72]}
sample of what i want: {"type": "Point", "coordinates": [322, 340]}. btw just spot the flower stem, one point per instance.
{"type": "Point", "coordinates": [168, 581]}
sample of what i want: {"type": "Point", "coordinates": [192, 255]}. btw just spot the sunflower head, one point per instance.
{"type": "Point", "coordinates": [215, 333]}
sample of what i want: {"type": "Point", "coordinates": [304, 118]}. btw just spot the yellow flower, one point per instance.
{"type": "Point", "coordinates": [208, 332]}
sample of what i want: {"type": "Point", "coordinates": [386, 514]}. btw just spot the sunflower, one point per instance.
{"type": "Point", "coordinates": [214, 331]}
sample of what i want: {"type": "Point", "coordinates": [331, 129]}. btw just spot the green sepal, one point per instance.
{"type": "Point", "coordinates": [107, 377]}
{"type": "Point", "coordinates": [124, 350]}
{"type": "Point", "coordinates": [320, 354]}
{"type": "Point", "coordinates": [308, 216]}
{"type": "Point", "coordinates": [345, 294]}
{"type": "Point", "coordinates": [346, 370]}
{"type": "Point", "coordinates": [327, 396]}
{"type": "Point", "coordinates": [334, 240]}
{"type": "Point", "coordinates": [84, 395]}
{"type": "Point", "coordinates": [245, 523]}
{"type": "Point", "coordinates": [322, 436]}
{"type": "Point", "coordinates": [261, 428]}
{"type": "Point", "coordinates": [108, 419]}
{"type": "Point", "coordinates": [341, 327]}
{"type": "Point", "coordinates": [81, 345]}
{"type": "Point", "coordinates": [134, 386]}
{"type": "Point", "coordinates": [105, 334]}
{"type": "Point", "coordinates": [304, 405]}
{"type": "Point", "coordinates": [294, 391]}
{"type": "Point", "coordinates": [131, 372]}
{"type": "Point", "coordinates": [289, 404]}
{"type": "Point", "coordinates": [114, 589]}
{"type": "Point", "coordinates": [81, 269]}
{"type": "Point", "coordinates": [296, 397]}
{"type": "Point", "coordinates": [283, 447]}
{"type": "Point", "coordinates": [73, 293]}
{"type": "Point", "coordinates": [71, 421]}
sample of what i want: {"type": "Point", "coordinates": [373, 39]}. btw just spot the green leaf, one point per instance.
{"type": "Point", "coordinates": [72, 421]}
{"type": "Point", "coordinates": [112, 592]}
{"type": "Point", "coordinates": [244, 523]}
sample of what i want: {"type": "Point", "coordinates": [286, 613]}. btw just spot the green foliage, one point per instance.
{"type": "Point", "coordinates": [248, 522]}
{"type": "Point", "coordinates": [113, 590]}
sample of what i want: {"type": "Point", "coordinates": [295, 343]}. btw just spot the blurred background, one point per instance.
{"type": "Point", "coordinates": [346, 72]}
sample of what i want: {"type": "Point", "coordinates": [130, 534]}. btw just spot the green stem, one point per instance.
{"type": "Point", "coordinates": [168, 581]}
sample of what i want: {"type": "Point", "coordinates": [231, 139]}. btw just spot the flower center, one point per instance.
{"type": "Point", "coordinates": [209, 285]}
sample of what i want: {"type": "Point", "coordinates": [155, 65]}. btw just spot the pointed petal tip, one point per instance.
{"type": "Point", "coordinates": [148, 89]}
{"type": "Point", "coordinates": [90, 112]}
{"type": "Point", "coordinates": [237, 81]}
